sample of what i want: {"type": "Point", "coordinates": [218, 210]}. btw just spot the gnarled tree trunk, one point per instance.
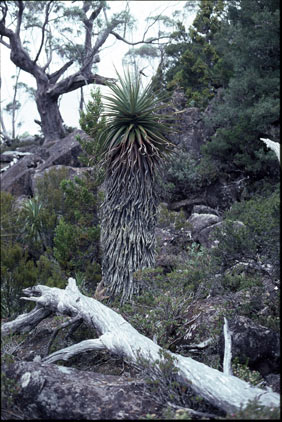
{"type": "Point", "coordinates": [51, 119]}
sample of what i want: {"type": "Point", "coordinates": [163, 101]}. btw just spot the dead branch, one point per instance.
{"type": "Point", "coordinates": [227, 369]}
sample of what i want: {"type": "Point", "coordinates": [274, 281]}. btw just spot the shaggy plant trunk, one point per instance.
{"type": "Point", "coordinates": [128, 231]}
{"type": "Point", "coordinates": [134, 144]}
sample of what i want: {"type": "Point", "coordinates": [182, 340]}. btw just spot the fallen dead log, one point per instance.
{"type": "Point", "coordinates": [224, 391]}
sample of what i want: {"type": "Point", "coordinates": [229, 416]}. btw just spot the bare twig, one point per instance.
{"type": "Point", "coordinates": [150, 41]}
{"type": "Point", "coordinates": [47, 11]}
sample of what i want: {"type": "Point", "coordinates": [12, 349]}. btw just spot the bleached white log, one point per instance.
{"type": "Point", "coordinates": [227, 369]}
{"type": "Point", "coordinates": [119, 337]}
{"type": "Point", "coordinates": [275, 146]}
{"type": "Point", "coordinates": [25, 322]}
{"type": "Point", "coordinates": [76, 349]}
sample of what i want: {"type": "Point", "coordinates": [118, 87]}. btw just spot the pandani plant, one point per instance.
{"type": "Point", "coordinates": [134, 145]}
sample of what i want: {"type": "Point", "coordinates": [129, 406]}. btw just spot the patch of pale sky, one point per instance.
{"type": "Point", "coordinates": [111, 58]}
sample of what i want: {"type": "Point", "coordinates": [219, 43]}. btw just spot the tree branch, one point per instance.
{"type": "Point", "coordinates": [275, 146]}
{"type": "Point", "coordinates": [88, 23]}
{"type": "Point", "coordinates": [74, 320]}
{"type": "Point", "coordinates": [4, 8]}
{"type": "Point", "coordinates": [18, 54]}
{"type": "Point", "coordinates": [49, 60]}
{"type": "Point", "coordinates": [20, 15]}
{"type": "Point", "coordinates": [76, 81]}
{"type": "Point", "coordinates": [56, 75]}
{"type": "Point", "coordinates": [82, 347]}
{"type": "Point", "coordinates": [154, 20]}
{"type": "Point", "coordinates": [4, 43]}
{"type": "Point", "coordinates": [47, 11]}
{"type": "Point", "coordinates": [25, 322]}
{"type": "Point", "coordinates": [98, 44]}
{"type": "Point", "coordinates": [151, 41]}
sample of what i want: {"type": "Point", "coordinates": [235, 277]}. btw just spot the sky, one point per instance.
{"type": "Point", "coordinates": [111, 58]}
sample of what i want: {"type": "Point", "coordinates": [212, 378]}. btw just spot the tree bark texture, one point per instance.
{"type": "Point", "coordinates": [50, 116]}
{"type": "Point", "coordinates": [128, 231]}
{"type": "Point", "coordinates": [224, 391]}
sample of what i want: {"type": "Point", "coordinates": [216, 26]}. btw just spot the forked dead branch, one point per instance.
{"type": "Point", "coordinates": [224, 391]}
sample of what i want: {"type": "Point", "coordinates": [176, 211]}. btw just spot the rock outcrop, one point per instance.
{"type": "Point", "coordinates": [57, 392]}
{"type": "Point", "coordinates": [17, 179]}
{"type": "Point", "coordinates": [202, 227]}
{"type": "Point", "coordinates": [255, 344]}
{"type": "Point", "coordinates": [64, 152]}
{"type": "Point", "coordinates": [20, 175]}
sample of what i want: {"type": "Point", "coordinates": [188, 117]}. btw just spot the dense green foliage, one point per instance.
{"type": "Point", "coordinates": [49, 238]}
{"type": "Point", "coordinates": [186, 175]}
{"type": "Point", "coordinates": [249, 107]}
{"type": "Point", "coordinates": [56, 233]}
{"type": "Point", "coordinates": [76, 239]}
{"type": "Point", "coordinates": [230, 60]}
{"type": "Point", "coordinates": [17, 273]}
{"type": "Point", "coordinates": [258, 239]}
{"type": "Point", "coordinates": [192, 61]}
{"type": "Point", "coordinates": [93, 122]}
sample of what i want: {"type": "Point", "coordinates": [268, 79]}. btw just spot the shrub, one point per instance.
{"type": "Point", "coordinates": [243, 371]}
{"type": "Point", "coordinates": [49, 191]}
{"type": "Point", "coordinates": [33, 231]}
{"type": "Point", "coordinates": [52, 197]}
{"type": "Point", "coordinates": [197, 270]}
{"type": "Point", "coordinates": [258, 239]}
{"type": "Point", "coordinates": [50, 272]}
{"type": "Point", "coordinates": [76, 241]}
{"type": "Point", "coordinates": [185, 174]}
{"type": "Point", "coordinates": [75, 251]}
{"type": "Point", "coordinates": [233, 281]}
{"type": "Point", "coordinates": [174, 219]}
{"type": "Point", "coordinates": [234, 244]}
{"type": "Point", "coordinates": [255, 411]}
{"type": "Point", "coordinates": [64, 243]}
{"type": "Point", "coordinates": [9, 219]}
{"type": "Point", "coordinates": [93, 123]}
{"type": "Point", "coordinates": [70, 224]}
{"type": "Point", "coordinates": [17, 273]}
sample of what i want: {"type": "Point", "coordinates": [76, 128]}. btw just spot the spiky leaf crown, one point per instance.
{"type": "Point", "coordinates": [134, 137]}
